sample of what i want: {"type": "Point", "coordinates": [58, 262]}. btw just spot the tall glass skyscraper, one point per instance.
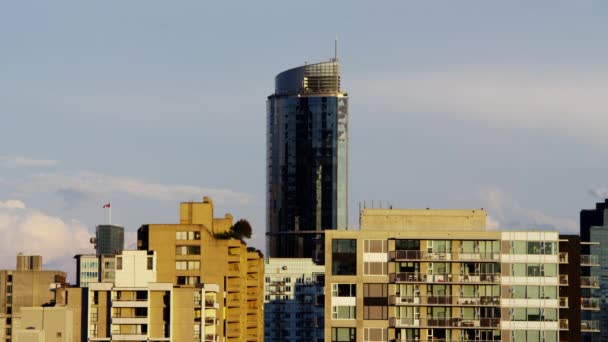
{"type": "Point", "coordinates": [307, 160]}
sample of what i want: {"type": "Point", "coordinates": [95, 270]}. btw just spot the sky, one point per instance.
{"type": "Point", "coordinates": [144, 104]}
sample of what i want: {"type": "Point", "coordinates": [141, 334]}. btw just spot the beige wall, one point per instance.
{"type": "Point", "coordinates": [415, 219]}
{"type": "Point", "coordinates": [222, 261]}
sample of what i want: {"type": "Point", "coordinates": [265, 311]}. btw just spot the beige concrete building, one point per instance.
{"type": "Point", "coordinates": [40, 324]}
{"type": "Point", "coordinates": [26, 286]}
{"type": "Point", "coordinates": [438, 275]}
{"type": "Point", "coordinates": [138, 308]}
{"type": "Point", "coordinates": [193, 252]}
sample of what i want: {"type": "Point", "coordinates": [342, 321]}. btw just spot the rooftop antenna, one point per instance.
{"type": "Point", "coordinates": [336, 49]}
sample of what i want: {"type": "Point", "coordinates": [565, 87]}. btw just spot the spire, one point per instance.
{"type": "Point", "coordinates": [336, 49]}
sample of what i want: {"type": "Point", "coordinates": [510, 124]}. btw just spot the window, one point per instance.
{"type": "Point", "coordinates": [150, 263]}
{"type": "Point", "coordinates": [188, 250]}
{"type": "Point", "coordinates": [343, 312]}
{"type": "Point", "coordinates": [375, 335]}
{"type": "Point", "coordinates": [344, 257]}
{"type": "Point", "coordinates": [119, 263]}
{"type": "Point", "coordinates": [407, 245]}
{"type": "Point", "coordinates": [375, 301]}
{"type": "Point", "coordinates": [187, 235]}
{"type": "Point", "coordinates": [375, 246]}
{"type": "Point", "coordinates": [187, 265]}
{"type": "Point", "coordinates": [182, 280]}
{"type": "Point", "coordinates": [344, 290]}
{"type": "Point", "coordinates": [343, 334]}
{"type": "Point", "coordinates": [375, 268]}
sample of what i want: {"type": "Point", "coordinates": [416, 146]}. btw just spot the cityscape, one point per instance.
{"type": "Point", "coordinates": [452, 248]}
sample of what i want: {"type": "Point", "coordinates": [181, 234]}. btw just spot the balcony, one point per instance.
{"type": "Point", "coordinates": [592, 304]}
{"type": "Point", "coordinates": [395, 322]}
{"type": "Point", "coordinates": [590, 326]}
{"type": "Point", "coordinates": [589, 260]}
{"type": "Point", "coordinates": [563, 280]}
{"type": "Point", "coordinates": [563, 302]}
{"type": "Point", "coordinates": [445, 300]}
{"type": "Point", "coordinates": [412, 277]}
{"type": "Point", "coordinates": [480, 278]}
{"type": "Point", "coordinates": [590, 282]}
{"type": "Point", "coordinates": [447, 256]}
{"type": "Point", "coordinates": [563, 324]}
{"type": "Point", "coordinates": [563, 257]}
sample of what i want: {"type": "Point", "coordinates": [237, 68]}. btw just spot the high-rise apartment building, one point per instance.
{"type": "Point", "coordinates": [199, 250]}
{"type": "Point", "coordinates": [439, 275]}
{"type": "Point", "coordinates": [294, 300]}
{"type": "Point", "coordinates": [27, 286]}
{"type": "Point", "coordinates": [594, 237]}
{"type": "Point", "coordinates": [307, 160]}
{"type": "Point", "coordinates": [135, 307]}
{"type": "Point", "coordinates": [109, 239]}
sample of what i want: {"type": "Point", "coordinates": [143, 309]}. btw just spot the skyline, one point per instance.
{"type": "Point", "coordinates": [156, 104]}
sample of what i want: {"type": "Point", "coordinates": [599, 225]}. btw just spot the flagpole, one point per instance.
{"type": "Point", "coordinates": [110, 214]}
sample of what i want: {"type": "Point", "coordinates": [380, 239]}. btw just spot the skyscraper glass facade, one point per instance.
{"type": "Point", "coordinates": [110, 239]}
{"type": "Point", "coordinates": [307, 159]}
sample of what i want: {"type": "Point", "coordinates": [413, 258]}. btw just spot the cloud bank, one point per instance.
{"type": "Point", "coordinates": [73, 187]}
{"type": "Point", "coordinates": [12, 162]}
{"type": "Point", "coordinates": [34, 232]}
{"type": "Point", "coordinates": [506, 213]}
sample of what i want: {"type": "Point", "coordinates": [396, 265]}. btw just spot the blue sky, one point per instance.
{"type": "Point", "coordinates": [144, 104]}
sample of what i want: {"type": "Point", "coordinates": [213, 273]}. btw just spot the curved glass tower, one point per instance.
{"type": "Point", "coordinates": [307, 160]}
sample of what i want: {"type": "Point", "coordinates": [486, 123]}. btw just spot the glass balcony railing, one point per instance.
{"type": "Point", "coordinates": [590, 282]}
{"type": "Point", "coordinates": [563, 279]}
{"type": "Point", "coordinates": [396, 322]}
{"type": "Point", "coordinates": [414, 277]}
{"type": "Point", "coordinates": [590, 326]}
{"type": "Point", "coordinates": [563, 302]}
{"type": "Point", "coordinates": [563, 324]}
{"type": "Point", "coordinates": [589, 260]}
{"type": "Point", "coordinates": [445, 300]}
{"type": "Point", "coordinates": [461, 255]}
{"type": "Point", "coordinates": [590, 303]}
{"type": "Point", "coordinates": [563, 257]}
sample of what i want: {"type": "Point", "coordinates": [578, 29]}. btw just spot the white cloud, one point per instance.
{"type": "Point", "coordinates": [572, 104]}
{"type": "Point", "coordinates": [600, 192]}
{"type": "Point", "coordinates": [34, 232]}
{"type": "Point", "coordinates": [12, 204]}
{"type": "Point", "coordinates": [12, 161]}
{"type": "Point", "coordinates": [90, 184]}
{"type": "Point", "coordinates": [506, 213]}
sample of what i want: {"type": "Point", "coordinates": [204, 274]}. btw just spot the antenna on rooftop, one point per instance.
{"type": "Point", "coordinates": [336, 49]}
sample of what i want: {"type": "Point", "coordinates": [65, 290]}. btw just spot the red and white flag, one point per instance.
{"type": "Point", "coordinates": [107, 205]}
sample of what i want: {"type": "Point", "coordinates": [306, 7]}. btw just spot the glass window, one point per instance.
{"type": "Point", "coordinates": [375, 268]}
{"type": "Point", "coordinates": [344, 290]}
{"type": "Point", "coordinates": [407, 245]}
{"type": "Point", "coordinates": [343, 312]}
{"type": "Point", "coordinates": [343, 334]}
{"type": "Point", "coordinates": [344, 257]}
{"type": "Point", "coordinates": [519, 247]}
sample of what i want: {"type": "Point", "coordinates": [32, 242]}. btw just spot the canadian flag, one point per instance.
{"type": "Point", "coordinates": [107, 205]}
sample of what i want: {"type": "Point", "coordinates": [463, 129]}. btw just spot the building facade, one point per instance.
{"type": "Point", "coordinates": [449, 281]}
{"type": "Point", "coordinates": [594, 263]}
{"type": "Point", "coordinates": [294, 299]}
{"type": "Point", "coordinates": [40, 324]}
{"type": "Point", "coordinates": [138, 308]}
{"type": "Point", "coordinates": [198, 251]}
{"type": "Point", "coordinates": [92, 268]}
{"type": "Point", "coordinates": [27, 286]}
{"type": "Point", "coordinates": [109, 239]}
{"type": "Point", "coordinates": [307, 160]}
